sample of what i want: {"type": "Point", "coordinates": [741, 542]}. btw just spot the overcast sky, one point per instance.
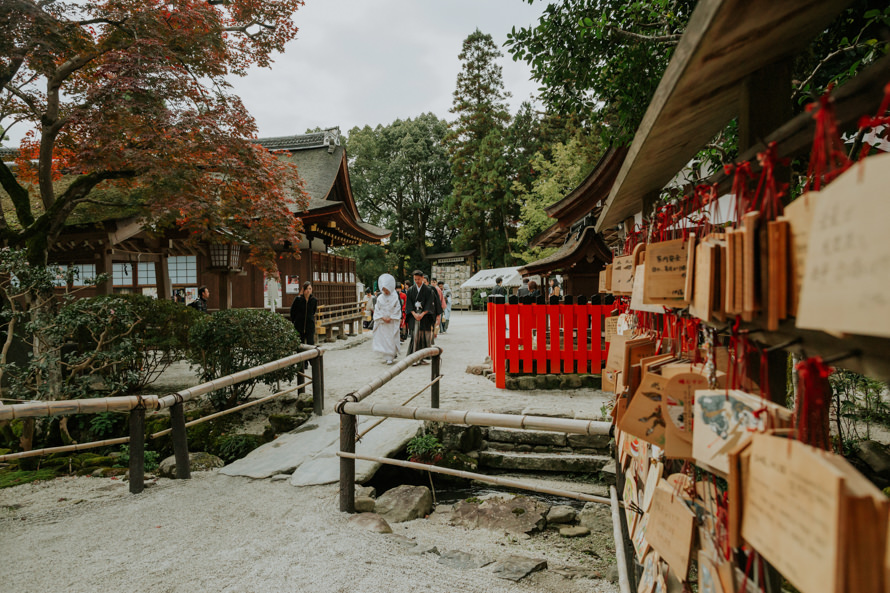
{"type": "Point", "coordinates": [369, 62]}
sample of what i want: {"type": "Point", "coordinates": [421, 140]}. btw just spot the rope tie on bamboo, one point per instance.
{"type": "Point", "coordinates": [348, 399]}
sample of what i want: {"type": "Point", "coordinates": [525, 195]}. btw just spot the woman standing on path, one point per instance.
{"type": "Point", "coordinates": [387, 318]}
{"type": "Point", "coordinates": [302, 314]}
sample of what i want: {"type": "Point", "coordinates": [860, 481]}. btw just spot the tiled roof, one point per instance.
{"type": "Point", "coordinates": [329, 137]}
{"type": "Point", "coordinates": [450, 254]}
{"type": "Point", "coordinates": [8, 154]}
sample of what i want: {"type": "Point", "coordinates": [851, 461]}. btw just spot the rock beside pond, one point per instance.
{"type": "Point", "coordinates": [198, 462]}
{"type": "Point", "coordinates": [561, 514]}
{"type": "Point", "coordinates": [404, 503]}
{"type": "Point", "coordinates": [574, 531]}
{"type": "Point", "coordinates": [364, 504]}
{"type": "Point", "coordinates": [514, 567]}
{"type": "Point", "coordinates": [370, 522]}
{"type": "Point", "coordinates": [515, 515]}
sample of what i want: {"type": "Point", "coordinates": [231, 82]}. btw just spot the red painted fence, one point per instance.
{"type": "Point", "coordinates": [546, 339]}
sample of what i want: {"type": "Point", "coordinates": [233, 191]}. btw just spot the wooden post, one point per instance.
{"type": "Point", "coordinates": [434, 388]}
{"type": "Point", "coordinates": [137, 450]}
{"type": "Point", "coordinates": [317, 364]}
{"type": "Point", "coordinates": [180, 442]}
{"type": "Point", "coordinates": [162, 276]}
{"type": "Point", "coordinates": [105, 266]}
{"type": "Point", "coordinates": [347, 466]}
{"type": "Point", "coordinates": [225, 291]}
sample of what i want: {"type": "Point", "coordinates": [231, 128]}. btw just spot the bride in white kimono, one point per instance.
{"type": "Point", "coordinates": [387, 318]}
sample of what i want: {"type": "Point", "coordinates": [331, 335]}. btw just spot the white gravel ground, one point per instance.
{"type": "Point", "coordinates": [219, 533]}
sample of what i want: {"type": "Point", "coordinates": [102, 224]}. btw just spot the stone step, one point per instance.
{"type": "Point", "coordinates": [551, 462]}
{"type": "Point", "coordinates": [518, 436]}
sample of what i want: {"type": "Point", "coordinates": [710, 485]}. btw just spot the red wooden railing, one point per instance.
{"type": "Point", "coordinates": [546, 339]}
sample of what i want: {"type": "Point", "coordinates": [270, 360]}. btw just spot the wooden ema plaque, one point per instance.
{"type": "Point", "coordinates": [677, 408]}
{"type": "Point", "coordinates": [623, 275]}
{"type": "Point", "coordinates": [814, 517]}
{"type": "Point", "coordinates": [848, 254]}
{"type": "Point", "coordinates": [605, 279]}
{"type": "Point", "coordinates": [777, 267]}
{"type": "Point", "coordinates": [670, 529]}
{"type": "Point", "coordinates": [666, 271]}
{"type": "Point", "coordinates": [636, 297]}
{"type": "Point", "coordinates": [705, 281]}
{"type": "Point", "coordinates": [799, 215]}
{"type": "Point", "coordinates": [750, 255]}
{"type": "Point", "coordinates": [792, 513]}
{"type": "Point", "coordinates": [643, 418]}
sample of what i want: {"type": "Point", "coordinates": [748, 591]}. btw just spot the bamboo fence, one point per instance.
{"type": "Point", "coordinates": [477, 418]}
{"type": "Point", "coordinates": [479, 477]}
{"type": "Point", "coordinates": [149, 402]}
{"type": "Point", "coordinates": [360, 394]}
{"type": "Point", "coordinates": [123, 440]}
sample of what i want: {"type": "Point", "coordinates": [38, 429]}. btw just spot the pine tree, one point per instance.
{"type": "Point", "coordinates": [481, 205]}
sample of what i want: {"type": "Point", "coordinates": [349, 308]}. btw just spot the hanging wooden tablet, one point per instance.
{"type": "Point", "coordinates": [777, 302]}
{"type": "Point", "coordinates": [636, 298]}
{"type": "Point", "coordinates": [666, 273]}
{"type": "Point", "coordinates": [705, 282]}
{"type": "Point", "coordinates": [729, 304]}
{"type": "Point", "coordinates": [799, 215]}
{"type": "Point", "coordinates": [848, 254]}
{"type": "Point", "coordinates": [708, 576]}
{"type": "Point", "coordinates": [792, 513]}
{"type": "Point", "coordinates": [611, 327]}
{"type": "Point", "coordinates": [690, 268]}
{"type": "Point", "coordinates": [739, 462]}
{"type": "Point", "coordinates": [623, 274]}
{"type": "Point", "coordinates": [677, 408]}
{"type": "Point", "coordinates": [605, 279]}
{"type": "Point", "coordinates": [725, 418]}
{"type": "Point", "coordinates": [720, 293]}
{"type": "Point", "coordinates": [643, 418]}
{"type": "Point", "coordinates": [670, 530]}
{"type": "Point", "coordinates": [750, 265]}
{"type": "Point", "coordinates": [639, 253]}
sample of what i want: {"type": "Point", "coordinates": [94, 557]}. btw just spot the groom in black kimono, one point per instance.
{"type": "Point", "coordinates": [421, 307]}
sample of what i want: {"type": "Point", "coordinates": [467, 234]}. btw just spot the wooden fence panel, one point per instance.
{"type": "Point", "coordinates": [528, 338]}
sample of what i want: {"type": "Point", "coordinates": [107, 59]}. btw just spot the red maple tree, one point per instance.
{"type": "Point", "coordinates": [134, 93]}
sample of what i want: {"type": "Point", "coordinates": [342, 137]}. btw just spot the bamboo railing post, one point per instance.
{"type": "Point", "coordinates": [180, 441]}
{"type": "Point", "coordinates": [347, 466]}
{"type": "Point", "coordinates": [301, 367]}
{"type": "Point", "coordinates": [137, 450]}
{"type": "Point", "coordinates": [318, 383]}
{"type": "Point", "coordinates": [434, 388]}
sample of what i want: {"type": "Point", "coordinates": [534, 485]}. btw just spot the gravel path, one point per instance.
{"type": "Point", "coordinates": [219, 533]}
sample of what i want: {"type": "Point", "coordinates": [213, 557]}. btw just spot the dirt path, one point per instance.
{"type": "Point", "coordinates": [218, 533]}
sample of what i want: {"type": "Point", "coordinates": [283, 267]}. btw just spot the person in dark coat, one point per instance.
{"type": "Point", "coordinates": [423, 307]}
{"type": "Point", "coordinates": [302, 314]}
{"type": "Point", "coordinates": [200, 303]}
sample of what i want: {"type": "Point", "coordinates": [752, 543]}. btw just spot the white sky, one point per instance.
{"type": "Point", "coordinates": [369, 62]}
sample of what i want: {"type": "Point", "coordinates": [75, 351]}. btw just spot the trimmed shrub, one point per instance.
{"type": "Point", "coordinates": [237, 339]}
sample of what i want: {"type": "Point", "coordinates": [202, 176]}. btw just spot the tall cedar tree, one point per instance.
{"type": "Point", "coordinates": [481, 206]}
{"type": "Point", "coordinates": [400, 175]}
{"type": "Point", "coordinates": [134, 92]}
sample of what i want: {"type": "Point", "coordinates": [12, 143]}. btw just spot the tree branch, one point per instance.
{"type": "Point", "coordinates": [665, 39]}
{"type": "Point", "coordinates": [21, 199]}
{"type": "Point", "coordinates": [822, 62]}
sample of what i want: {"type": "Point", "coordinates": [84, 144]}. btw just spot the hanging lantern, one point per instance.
{"type": "Point", "coordinates": [225, 256]}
